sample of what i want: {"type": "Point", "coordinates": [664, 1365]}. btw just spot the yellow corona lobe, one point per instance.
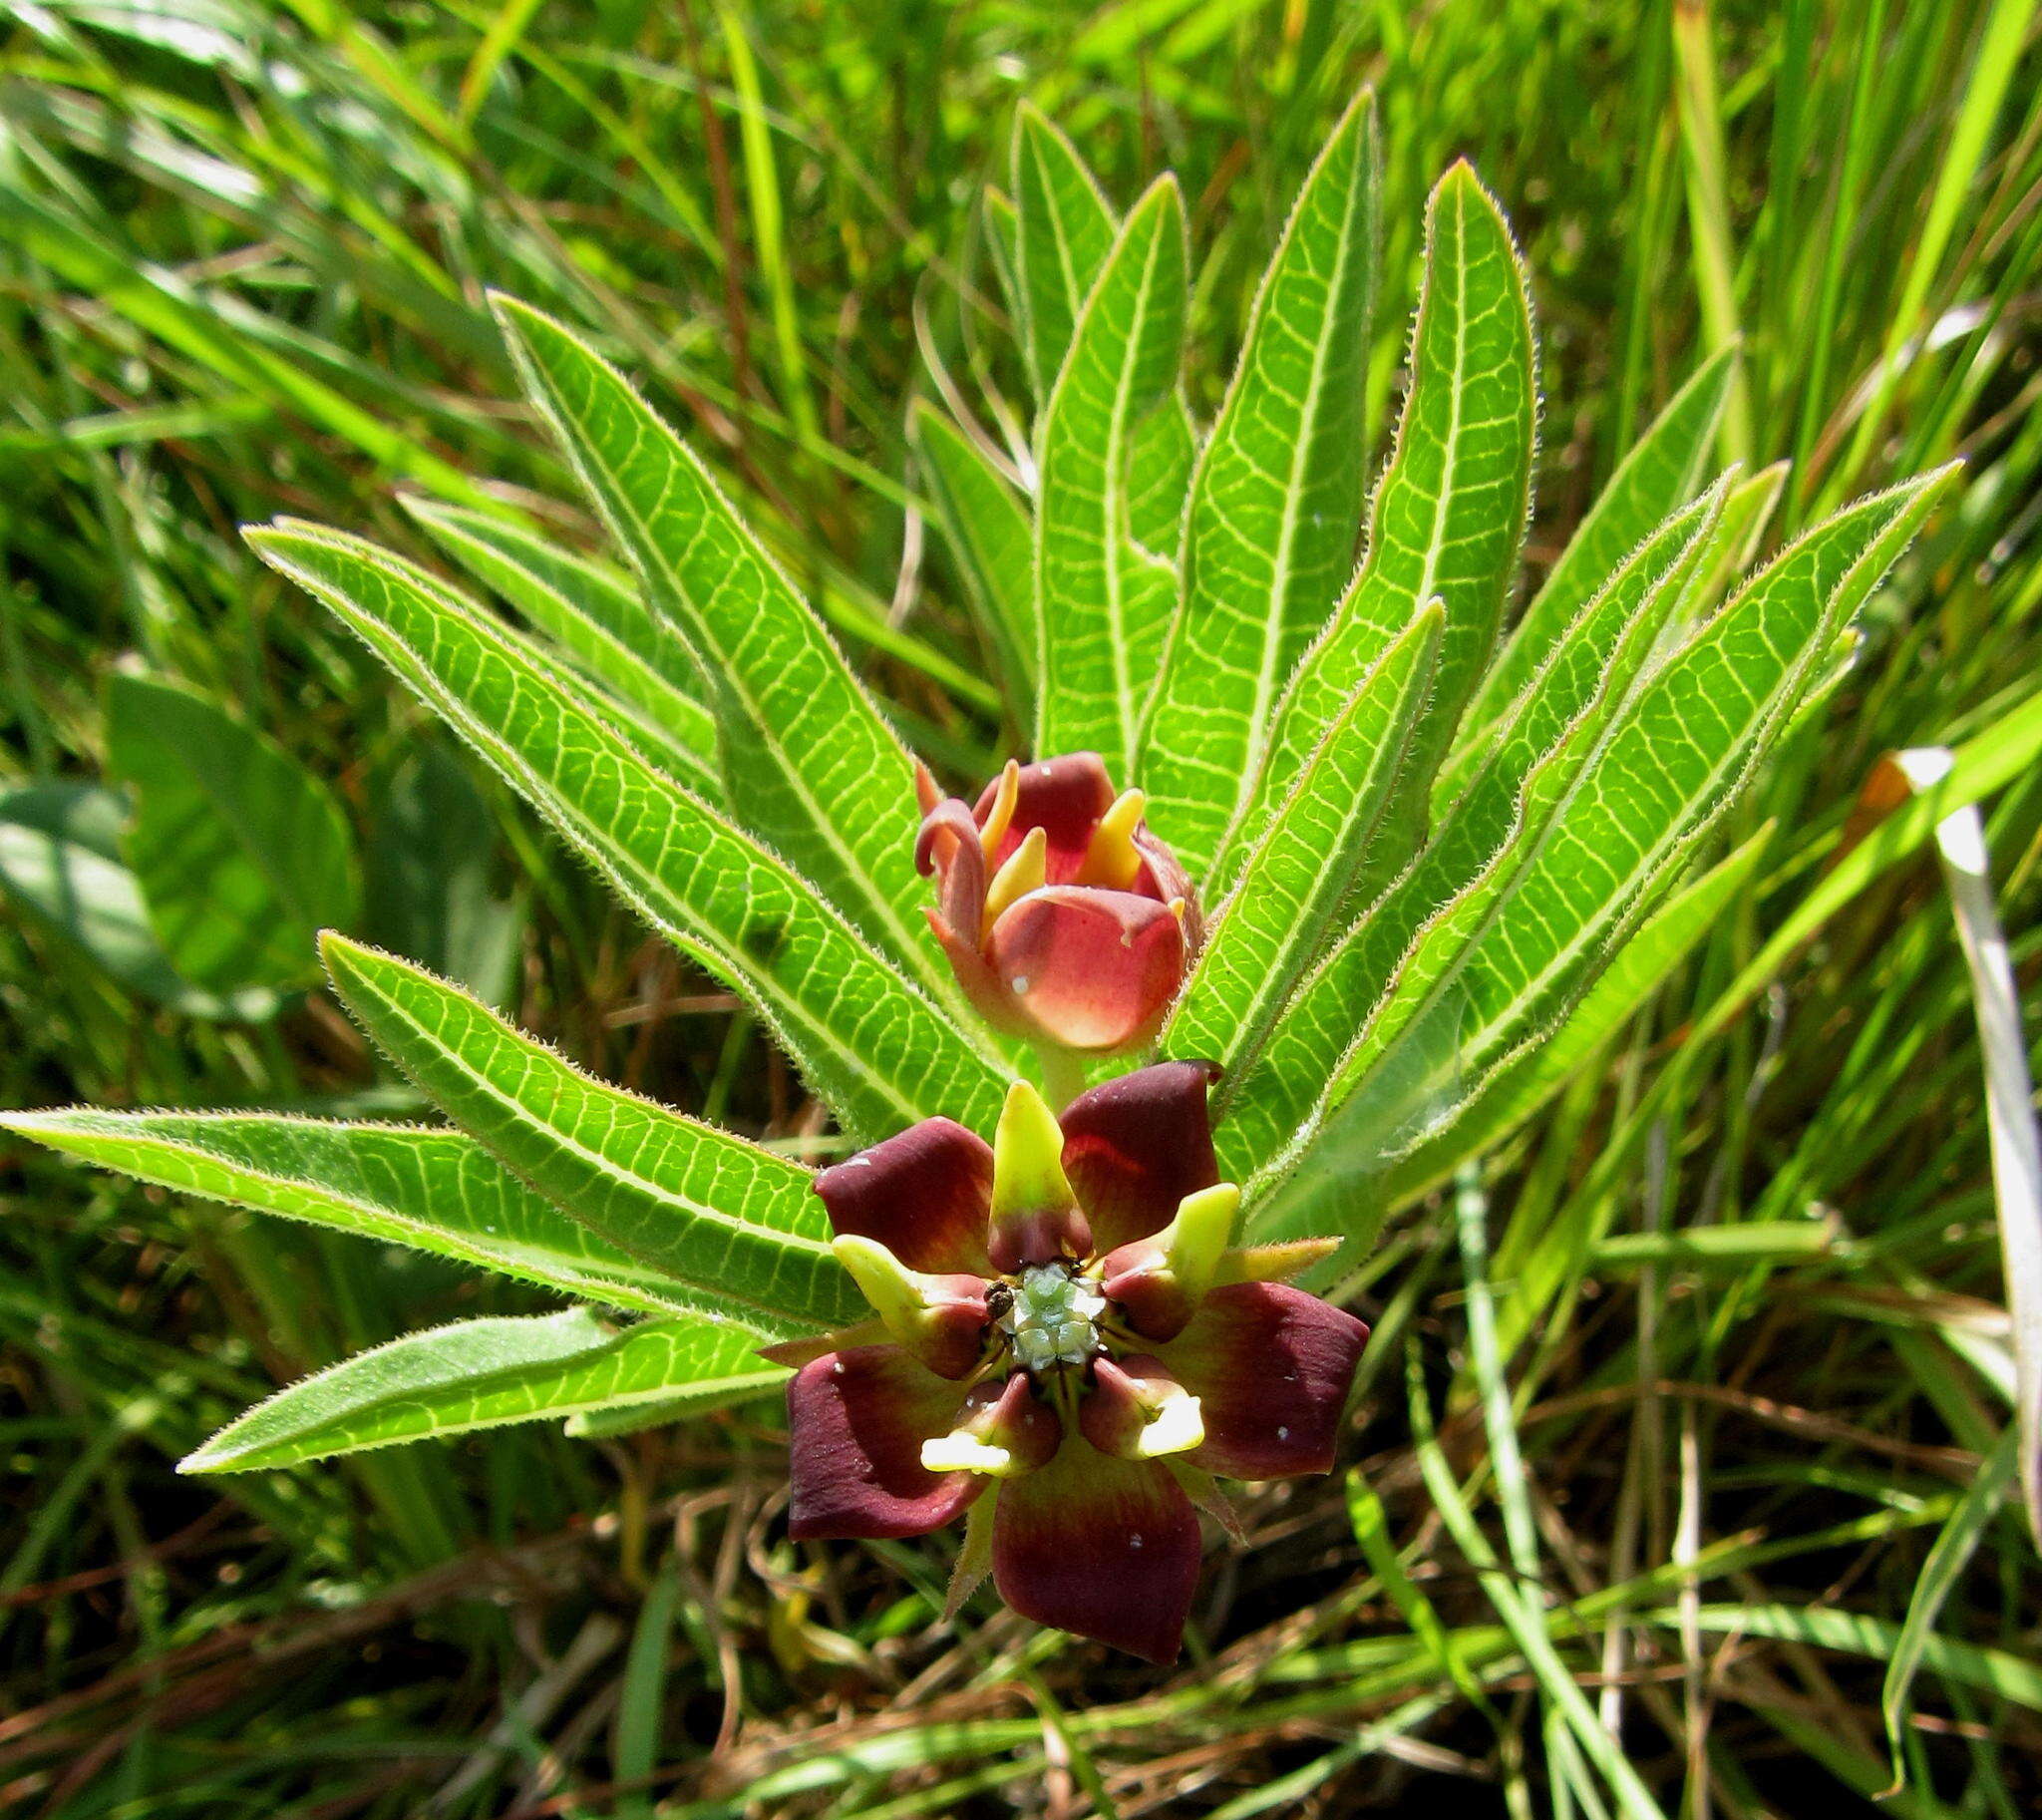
{"type": "Point", "coordinates": [1026, 870]}
{"type": "Point", "coordinates": [1112, 859]}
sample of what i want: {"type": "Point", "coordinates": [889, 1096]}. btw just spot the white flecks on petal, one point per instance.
{"type": "Point", "coordinates": [1022, 983]}
{"type": "Point", "coordinates": [1135, 1540]}
{"type": "Point", "coordinates": [1284, 1435]}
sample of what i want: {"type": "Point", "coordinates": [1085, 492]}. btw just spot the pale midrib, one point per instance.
{"type": "Point", "coordinates": [1118, 537]}
{"type": "Point", "coordinates": [659, 903]}
{"type": "Point", "coordinates": [523, 1119]}
{"type": "Point", "coordinates": [1268, 1000]}
{"type": "Point", "coordinates": [1637, 876]}
{"type": "Point", "coordinates": [846, 855]}
{"type": "Point", "coordinates": [591, 1279]}
{"type": "Point", "coordinates": [1286, 537]}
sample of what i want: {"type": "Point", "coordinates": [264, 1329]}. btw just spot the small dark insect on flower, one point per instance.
{"type": "Point", "coordinates": [1064, 919]}
{"type": "Point", "coordinates": [1066, 1346]}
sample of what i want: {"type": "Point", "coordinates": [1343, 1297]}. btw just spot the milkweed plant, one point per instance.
{"type": "Point", "coordinates": [1312, 884]}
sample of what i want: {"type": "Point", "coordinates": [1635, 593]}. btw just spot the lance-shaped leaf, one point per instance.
{"type": "Point", "coordinates": [241, 854]}
{"type": "Point", "coordinates": [1494, 972]}
{"type": "Point", "coordinates": [873, 1046]}
{"type": "Point", "coordinates": [1662, 473]}
{"type": "Point", "coordinates": [595, 616]}
{"type": "Point", "coordinates": [1104, 600]}
{"type": "Point", "coordinates": [437, 1191]}
{"type": "Point", "coordinates": [1063, 231]}
{"type": "Point", "coordinates": [738, 1227]}
{"type": "Point", "coordinates": [1159, 477]}
{"type": "Point", "coordinates": [1003, 251]}
{"type": "Point", "coordinates": [1449, 512]}
{"type": "Point", "coordinates": [1297, 881]}
{"type": "Point", "coordinates": [988, 530]}
{"type": "Point", "coordinates": [1468, 1126]}
{"type": "Point", "coordinates": [484, 1373]}
{"type": "Point", "coordinates": [1546, 737]}
{"type": "Point", "coordinates": [810, 767]}
{"type": "Point", "coordinates": [1276, 501]}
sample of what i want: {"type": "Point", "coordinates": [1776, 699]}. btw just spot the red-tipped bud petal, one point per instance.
{"type": "Point", "coordinates": [1136, 1410]}
{"type": "Point", "coordinates": [1158, 1282]}
{"type": "Point", "coordinates": [939, 1319]}
{"type": "Point", "coordinates": [1089, 969]}
{"type": "Point", "coordinates": [1065, 798]}
{"type": "Point", "coordinates": [1035, 1216]}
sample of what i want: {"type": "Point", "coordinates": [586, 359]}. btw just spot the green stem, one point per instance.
{"type": "Point", "coordinates": [1063, 1075]}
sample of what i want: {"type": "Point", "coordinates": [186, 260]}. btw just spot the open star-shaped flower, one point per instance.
{"type": "Point", "coordinates": [1066, 1346]}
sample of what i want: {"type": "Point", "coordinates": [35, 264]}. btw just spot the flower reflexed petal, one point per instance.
{"type": "Point", "coordinates": [1103, 1547]}
{"type": "Point", "coordinates": [1271, 1368]}
{"type": "Point", "coordinates": [1136, 1144]}
{"type": "Point", "coordinates": [859, 1418]}
{"type": "Point", "coordinates": [923, 1195]}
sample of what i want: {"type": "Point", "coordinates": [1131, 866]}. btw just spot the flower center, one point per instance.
{"type": "Point", "coordinates": [1053, 1319]}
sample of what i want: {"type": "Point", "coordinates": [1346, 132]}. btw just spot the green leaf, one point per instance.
{"type": "Point", "coordinates": [1003, 246]}
{"type": "Point", "coordinates": [1447, 516]}
{"type": "Point", "coordinates": [1947, 1560]}
{"type": "Point", "coordinates": [1516, 1091]}
{"type": "Point", "coordinates": [1294, 883]}
{"type": "Point", "coordinates": [1104, 600]}
{"type": "Point", "coordinates": [430, 851]}
{"type": "Point", "coordinates": [810, 765]}
{"type": "Point", "coordinates": [484, 1373]}
{"type": "Point", "coordinates": [1483, 986]}
{"type": "Point", "coordinates": [1063, 232]}
{"type": "Point", "coordinates": [1159, 477]}
{"type": "Point", "coordinates": [873, 1047]}
{"type": "Point", "coordinates": [736, 1228]}
{"type": "Point", "coordinates": [988, 530]}
{"type": "Point", "coordinates": [435, 1191]}
{"type": "Point", "coordinates": [1660, 474]}
{"type": "Point", "coordinates": [243, 856]}
{"type": "Point", "coordinates": [597, 617]}
{"type": "Point", "coordinates": [1418, 927]}
{"type": "Point", "coordinates": [60, 865]}
{"type": "Point", "coordinates": [1276, 501]}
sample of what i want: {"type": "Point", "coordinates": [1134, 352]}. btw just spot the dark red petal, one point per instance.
{"type": "Point", "coordinates": [855, 1424]}
{"type": "Point", "coordinates": [1104, 1547]}
{"type": "Point", "coordinates": [1089, 969]}
{"type": "Point", "coordinates": [924, 1195]}
{"type": "Point", "coordinates": [1064, 796]}
{"type": "Point", "coordinates": [1162, 876]}
{"type": "Point", "coordinates": [1271, 1367]}
{"type": "Point", "coordinates": [1136, 1146]}
{"type": "Point", "coordinates": [947, 846]}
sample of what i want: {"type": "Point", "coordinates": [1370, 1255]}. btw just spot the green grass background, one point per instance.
{"type": "Point", "coordinates": [242, 257]}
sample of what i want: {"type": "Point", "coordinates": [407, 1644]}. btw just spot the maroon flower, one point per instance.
{"type": "Point", "coordinates": [1067, 921]}
{"type": "Point", "coordinates": [1061, 1324]}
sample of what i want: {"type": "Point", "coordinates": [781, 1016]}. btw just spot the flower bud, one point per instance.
{"type": "Point", "coordinates": [1066, 920]}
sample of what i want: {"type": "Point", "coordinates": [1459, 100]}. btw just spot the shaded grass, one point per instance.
{"type": "Point", "coordinates": [1732, 1301]}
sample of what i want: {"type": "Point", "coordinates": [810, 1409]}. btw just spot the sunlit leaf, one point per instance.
{"type": "Point", "coordinates": [241, 854]}
{"type": "Point", "coordinates": [1276, 501]}
{"type": "Point", "coordinates": [1297, 881]}
{"type": "Point", "coordinates": [1063, 231]}
{"type": "Point", "coordinates": [435, 1191]}
{"type": "Point", "coordinates": [737, 1228]}
{"type": "Point", "coordinates": [484, 1373]}
{"type": "Point", "coordinates": [1104, 599]}
{"type": "Point", "coordinates": [871, 1044]}
{"type": "Point", "coordinates": [1447, 516]}
{"type": "Point", "coordinates": [810, 765]}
